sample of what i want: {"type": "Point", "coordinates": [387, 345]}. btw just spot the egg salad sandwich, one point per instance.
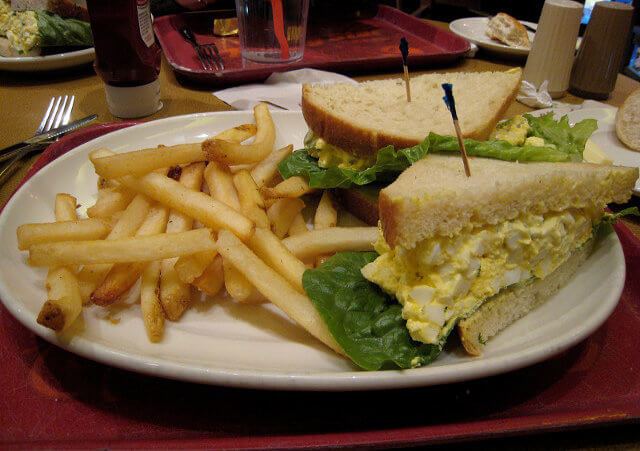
{"type": "Point", "coordinates": [357, 132]}
{"type": "Point", "coordinates": [363, 136]}
{"type": "Point", "coordinates": [35, 27]}
{"type": "Point", "coordinates": [474, 252]}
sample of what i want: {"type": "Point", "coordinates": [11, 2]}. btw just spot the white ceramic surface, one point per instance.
{"type": "Point", "coordinates": [225, 343]}
{"type": "Point", "coordinates": [474, 29]}
{"type": "Point", "coordinates": [47, 62]}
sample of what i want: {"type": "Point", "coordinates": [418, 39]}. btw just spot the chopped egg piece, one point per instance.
{"type": "Point", "coordinates": [445, 278]}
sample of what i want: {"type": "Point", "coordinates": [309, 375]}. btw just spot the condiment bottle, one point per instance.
{"type": "Point", "coordinates": [127, 55]}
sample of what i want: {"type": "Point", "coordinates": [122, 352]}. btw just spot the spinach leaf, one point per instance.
{"type": "Point", "coordinates": [55, 31]}
{"type": "Point", "coordinates": [365, 321]}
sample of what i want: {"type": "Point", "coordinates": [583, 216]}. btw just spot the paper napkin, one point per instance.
{"type": "Point", "coordinates": [281, 89]}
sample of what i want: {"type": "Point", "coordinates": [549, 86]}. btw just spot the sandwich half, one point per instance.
{"type": "Point", "coordinates": [483, 250]}
{"type": "Point", "coordinates": [475, 252]}
{"type": "Point", "coordinates": [357, 132]}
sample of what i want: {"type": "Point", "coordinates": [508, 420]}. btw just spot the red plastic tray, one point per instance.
{"type": "Point", "coordinates": [353, 46]}
{"type": "Point", "coordinates": [52, 398]}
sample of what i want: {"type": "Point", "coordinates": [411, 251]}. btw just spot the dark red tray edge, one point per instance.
{"type": "Point", "coordinates": [162, 25]}
{"type": "Point", "coordinates": [432, 434]}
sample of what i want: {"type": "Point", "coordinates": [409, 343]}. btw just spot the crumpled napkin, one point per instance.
{"type": "Point", "coordinates": [281, 89]}
{"type": "Point", "coordinates": [535, 98]}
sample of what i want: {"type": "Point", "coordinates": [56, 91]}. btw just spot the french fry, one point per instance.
{"type": "Point", "coordinates": [212, 213]}
{"type": "Point", "coordinates": [251, 202]}
{"type": "Point", "coordinates": [146, 160]}
{"type": "Point", "coordinates": [65, 207]}
{"type": "Point", "coordinates": [326, 216]}
{"type": "Point", "coordinates": [292, 187]}
{"type": "Point", "coordinates": [63, 303]}
{"type": "Point", "coordinates": [110, 200]}
{"type": "Point", "coordinates": [233, 153]}
{"type": "Point", "coordinates": [123, 276]}
{"type": "Point", "coordinates": [237, 285]}
{"type": "Point", "coordinates": [270, 249]}
{"type": "Point", "coordinates": [238, 133]}
{"type": "Point", "coordinates": [298, 225]}
{"type": "Point", "coordinates": [334, 239]}
{"type": "Point", "coordinates": [275, 288]}
{"type": "Point", "coordinates": [79, 229]}
{"type": "Point", "coordinates": [143, 161]}
{"type": "Point", "coordinates": [190, 267]}
{"type": "Point", "coordinates": [282, 213]}
{"type": "Point", "coordinates": [220, 184]}
{"type": "Point", "coordinates": [124, 250]}
{"type": "Point", "coordinates": [267, 169]}
{"type": "Point", "coordinates": [90, 276]}
{"type": "Point", "coordinates": [211, 280]}
{"type": "Point", "coordinates": [152, 314]}
{"type": "Point", "coordinates": [175, 295]}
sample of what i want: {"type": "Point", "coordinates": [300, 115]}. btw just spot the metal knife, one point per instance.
{"type": "Point", "coordinates": [43, 139]}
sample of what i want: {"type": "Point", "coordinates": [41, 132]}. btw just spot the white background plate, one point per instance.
{"type": "Point", "coordinates": [605, 136]}
{"type": "Point", "coordinates": [229, 344]}
{"type": "Point", "coordinates": [474, 29]}
{"type": "Point", "coordinates": [47, 62]}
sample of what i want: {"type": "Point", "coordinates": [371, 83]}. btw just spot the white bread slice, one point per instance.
{"type": "Point", "coordinates": [434, 197]}
{"type": "Point", "coordinates": [70, 9]}
{"type": "Point", "coordinates": [508, 30]}
{"type": "Point", "coordinates": [628, 121]}
{"type": "Point", "coordinates": [366, 117]}
{"type": "Point", "coordinates": [513, 303]}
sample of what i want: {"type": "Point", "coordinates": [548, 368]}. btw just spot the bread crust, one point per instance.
{"type": "Point", "coordinates": [366, 141]}
{"type": "Point", "coordinates": [628, 121]}
{"type": "Point", "coordinates": [358, 204]}
{"type": "Point", "coordinates": [508, 30]}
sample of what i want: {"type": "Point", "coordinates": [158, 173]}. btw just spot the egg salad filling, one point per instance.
{"type": "Point", "coordinates": [330, 155]}
{"type": "Point", "coordinates": [446, 278]}
{"type": "Point", "coordinates": [20, 28]}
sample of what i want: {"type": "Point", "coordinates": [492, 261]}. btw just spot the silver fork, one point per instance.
{"type": "Point", "coordinates": [208, 54]}
{"type": "Point", "coordinates": [58, 113]}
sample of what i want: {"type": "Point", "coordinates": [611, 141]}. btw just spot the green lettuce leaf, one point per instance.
{"type": "Point", "coordinates": [58, 32]}
{"type": "Point", "coordinates": [365, 321]}
{"type": "Point", "coordinates": [390, 163]}
{"type": "Point", "coordinates": [566, 138]}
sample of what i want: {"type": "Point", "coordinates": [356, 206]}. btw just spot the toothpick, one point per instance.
{"type": "Point", "coordinates": [451, 104]}
{"type": "Point", "coordinates": [404, 50]}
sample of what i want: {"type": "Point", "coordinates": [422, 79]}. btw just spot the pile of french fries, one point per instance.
{"type": "Point", "coordinates": [197, 216]}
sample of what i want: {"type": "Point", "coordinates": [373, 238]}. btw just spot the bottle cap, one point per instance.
{"type": "Point", "coordinates": [133, 101]}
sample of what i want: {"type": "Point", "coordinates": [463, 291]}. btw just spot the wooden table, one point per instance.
{"type": "Point", "coordinates": [23, 98]}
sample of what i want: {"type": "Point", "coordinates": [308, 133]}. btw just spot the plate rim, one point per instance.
{"type": "Point", "coordinates": [322, 381]}
{"type": "Point", "coordinates": [48, 62]}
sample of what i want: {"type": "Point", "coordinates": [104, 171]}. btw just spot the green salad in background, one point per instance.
{"type": "Point", "coordinates": [28, 33]}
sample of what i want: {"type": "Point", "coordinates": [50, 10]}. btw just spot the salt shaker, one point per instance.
{"type": "Point", "coordinates": [553, 48]}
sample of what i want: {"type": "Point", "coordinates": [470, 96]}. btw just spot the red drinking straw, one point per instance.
{"type": "Point", "coordinates": [278, 27]}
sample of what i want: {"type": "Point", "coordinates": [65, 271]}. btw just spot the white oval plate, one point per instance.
{"type": "Point", "coordinates": [474, 29]}
{"type": "Point", "coordinates": [226, 343]}
{"type": "Point", "coordinates": [47, 62]}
